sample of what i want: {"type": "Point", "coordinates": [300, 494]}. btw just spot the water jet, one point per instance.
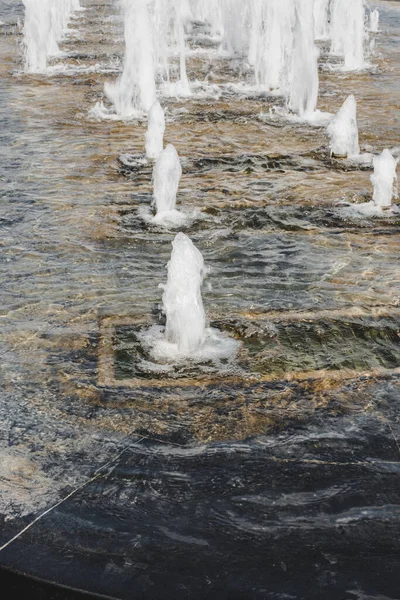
{"type": "Point", "coordinates": [155, 131]}
{"type": "Point", "coordinates": [343, 130]}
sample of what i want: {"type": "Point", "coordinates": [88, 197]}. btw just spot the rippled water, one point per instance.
{"type": "Point", "coordinates": [276, 477]}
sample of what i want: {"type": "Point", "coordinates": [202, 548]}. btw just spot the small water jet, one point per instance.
{"type": "Point", "coordinates": [384, 180]}
{"type": "Point", "coordinates": [343, 130]}
{"type": "Point", "coordinates": [183, 305]}
{"type": "Point", "coordinates": [185, 335]}
{"type": "Point", "coordinates": [155, 132]}
{"type": "Point", "coordinates": [167, 174]}
{"type": "Point", "coordinates": [374, 21]}
{"type": "Point", "coordinates": [348, 33]}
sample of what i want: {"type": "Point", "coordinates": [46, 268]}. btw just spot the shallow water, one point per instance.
{"type": "Point", "coordinates": [275, 478]}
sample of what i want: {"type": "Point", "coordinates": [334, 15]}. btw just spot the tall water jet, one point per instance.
{"type": "Point", "coordinates": [234, 20]}
{"type": "Point", "coordinates": [304, 78]}
{"type": "Point", "coordinates": [135, 90]}
{"type": "Point", "coordinates": [183, 87]}
{"type": "Point", "coordinates": [45, 25]}
{"type": "Point", "coordinates": [155, 132]}
{"type": "Point", "coordinates": [374, 21]}
{"type": "Point", "coordinates": [38, 35]}
{"type": "Point", "coordinates": [384, 180]}
{"type": "Point", "coordinates": [170, 17]}
{"type": "Point", "coordinates": [343, 130]}
{"type": "Point", "coordinates": [167, 174]}
{"type": "Point", "coordinates": [321, 19]}
{"type": "Point", "coordinates": [348, 32]}
{"type": "Point", "coordinates": [182, 302]}
{"type": "Point", "coordinates": [271, 44]}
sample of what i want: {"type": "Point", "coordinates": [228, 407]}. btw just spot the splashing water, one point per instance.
{"type": "Point", "coordinates": [135, 90]}
{"type": "Point", "coordinates": [384, 179]}
{"type": "Point", "coordinates": [348, 34]}
{"type": "Point", "coordinates": [155, 132]}
{"type": "Point", "coordinates": [343, 130]}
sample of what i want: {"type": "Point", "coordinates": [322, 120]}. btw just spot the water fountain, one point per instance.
{"type": "Point", "coordinates": [343, 130]}
{"type": "Point", "coordinates": [374, 21]}
{"type": "Point", "coordinates": [271, 44]}
{"type": "Point", "coordinates": [384, 180]}
{"type": "Point", "coordinates": [44, 26]}
{"type": "Point", "coordinates": [114, 431]}
{"type": "Point", "coordinates": [186, 335]}
{"type": "Point", "coordinates": [348, 33]}
{"type": "Point", "coordinates": [321, 19]}
{"type": "Point", "coordinates": [304, 76]}
{"type": "Point", "coordinates": [183, 305]}
{"type": "Point", "coordinates": [170, 18]}
{"type": "Point", "coordinates": [134, 92]}
{"type": "Point", "coordinates": [234, 21]}
{"type": "Point", "coordinates": [38, 35]}
{"type": "Point", "coordinates": [155, 132]}
{"type": "Point", "coordinates": [167, 174]}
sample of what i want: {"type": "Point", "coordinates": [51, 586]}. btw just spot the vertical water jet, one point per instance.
{"type": "Point", "coordinates": [182, 302]}
{"type": "Point", "coordinates": [44, 27]}
{"type": "Point", "coordinates": [343, 130]}
{"type": "Point", "coordinates": [39, 40]}
{"type": "Point", "coordinates": [155, 131]}
{"type": "Point", "coordinates": [348, 32]}
{"type": "Point", "coordinates": [271, 44]}
{"type": "Point", "coordinates": [321, 19]}
{"type": "Point", "coordinates": [304, 78]}
{"type": "Point", "coordinates": [135, 90]}
{"type": "Point", "coordinates": [384, 179]}
{"type": "Point", "coordinates": [167, 173]}
{"type": "Point", "coordinates": [374, 21]}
